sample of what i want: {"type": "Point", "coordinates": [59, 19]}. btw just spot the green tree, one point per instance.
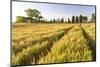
{"type": "Point", "coordinates": [32, 13]}
{"type": "Point", "coordinates": [54, 21]}
{"type": "Point", "coordinates": [80, 19]}
{"type": "Point", "coordinates": [51, 21]}
{"type": "Point", "coordinates": [73, 19]}
{"type": "Point", "coordinates": [40, 18]}
{"type": "Point", "coordinates": [58, 20]}
{"type": "Point", "coordinates": [76, 19]}
{"type": "Point", "coordinates": [62, 20]}
{"type": "Point", "coordinates": [85, 19]}
{"type": "Point", "coordinates": [93, 18]}
{"type": "Point", "coordinates": [69, 20]}
{"type": "Point", "coordinates": [20, 19]}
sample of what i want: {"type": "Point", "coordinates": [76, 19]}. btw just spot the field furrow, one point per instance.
{"type": "Point", "coordinates": [71, 48]}
{"type": "Point", "coordinates": [23, 44]}
{"type": "Point", "coordinates": [91, 42]}
{"type": "Point", "coordinates": [53, 43]}
{"type": "Point", "coordinates": [21, 57]}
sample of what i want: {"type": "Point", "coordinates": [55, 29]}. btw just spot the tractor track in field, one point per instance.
{"type": "Point", "coordinates": [47, 49]}
{"type": "Point", "coordinates": [91, 43]}
{"type": "Point", "coordinates": [51, 41]}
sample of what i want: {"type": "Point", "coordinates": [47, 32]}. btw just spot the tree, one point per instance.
{"type": "Point", "coordinates": [93, 19]}
{"type": "Point", "coordinates": [62, 20]}
{"type": "Point", "coordinates": [32, 13]}
{"type": "Point", "coordinates": [73, 19]}
{"type": "Point", "coordinates": [76, 19]}
{"type": "Point", "coordinates": [36, 14]}
{"type": "Point", "coordinates": [85, 19]}
{"type": "Point", "coordinates": [58, 20]}
{"type": "Point", "coordinates": [80, 19]}
{"type": "Point", "coordinates": [54, 21]}
{"type": "Point", "coordinates": [51, 21]}
{"type": "Point", "coordinates": [20, 19]}
{"type": "Point", "coordinates": [69, 20]}
{"type": "Point", "coordinates": [39, 18]}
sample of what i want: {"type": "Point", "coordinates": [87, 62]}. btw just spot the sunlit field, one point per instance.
{"type": "Point", "coordinates": [42, 43]}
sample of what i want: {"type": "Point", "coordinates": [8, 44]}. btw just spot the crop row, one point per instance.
{"type": "Point", "coordinates": [71, 48]}
{"type": "Point", "coordinates": [42, 47]}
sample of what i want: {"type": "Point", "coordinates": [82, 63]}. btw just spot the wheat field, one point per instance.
{"type": "Point", "coordinates": [40, 43]}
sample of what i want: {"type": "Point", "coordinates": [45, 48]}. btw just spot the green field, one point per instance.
{"type": "Point", "coordinates": [38, 43]}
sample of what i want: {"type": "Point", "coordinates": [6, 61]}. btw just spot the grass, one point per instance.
{"type": "Point", "coordinates": [52, 43]}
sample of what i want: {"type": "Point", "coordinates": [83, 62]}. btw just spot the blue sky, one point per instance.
{"type": "Point", "coordinates": [50, 11]}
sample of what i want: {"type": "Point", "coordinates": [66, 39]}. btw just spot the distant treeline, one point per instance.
{"type": "Point", "coordinates": [34, 16]}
